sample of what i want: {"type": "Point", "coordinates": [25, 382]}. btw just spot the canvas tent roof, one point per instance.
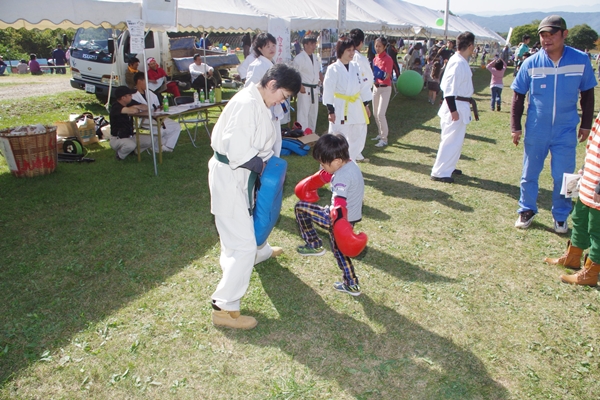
{"type": "Point", "coordinates": [54, 14]}
{"type": "Point", "coordinates": [315, 14]}
{"type": "Point", "coordinates": [241, 15]}
{"type": "Point", "coordinates": [221, 15]}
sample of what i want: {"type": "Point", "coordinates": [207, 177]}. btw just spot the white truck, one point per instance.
{"type": "Point", "coordinates": [96, 54]}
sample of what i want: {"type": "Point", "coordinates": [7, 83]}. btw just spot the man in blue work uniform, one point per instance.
{"type": "Point", "coordinates": [554, 77]}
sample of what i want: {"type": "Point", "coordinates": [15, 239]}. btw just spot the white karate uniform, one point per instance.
{"type": "Point", "coordinates": [308, 103]}
{"type": "Point", "coordinates": [257, 69]}
{"type": "Point", "coordinates": [242, 69]}
{"type": "Point", "coordinates": [367, 80]}
{"type": "Point", "coordinates": [244, 130]}
{"type": "Point", "coordinates": [169, 133]}
{"type": "Point", "coordinates": [457, 81]}
{"type": "Point", "coordinates": [350, 118]}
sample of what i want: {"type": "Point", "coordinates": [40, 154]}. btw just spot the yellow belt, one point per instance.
{"type": "Point", "coordinates": [351, 99]}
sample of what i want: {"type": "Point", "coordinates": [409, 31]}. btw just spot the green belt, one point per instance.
{"type": "Point", "coordinates": [312, 92]}
{"type": "Point", "coordinates": [251, 180]}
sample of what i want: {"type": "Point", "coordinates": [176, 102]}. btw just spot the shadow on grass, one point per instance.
{"type": "Point", "coordinates": [400, 359]}
{"type": "Point", "coordinates": [86, 240]}
{"type": "Point", "coordinates": [398, 268]}
{"type": "Point", "coordinates": [399, 189]}
{"type": "Point", "coordinates": [388, 263]}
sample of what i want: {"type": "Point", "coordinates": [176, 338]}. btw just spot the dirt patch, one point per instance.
{"type": "Point", "coordinates": [20, 86]}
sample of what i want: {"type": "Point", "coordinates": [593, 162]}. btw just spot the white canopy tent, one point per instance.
{"type": "Point", "coordinates": [221, 16]}
{"type": "Point", "coordinates": [242, 15]}
{"type": "Point", "coordinates": [66, 14]}
{"type": "Point", "coordinates": [314, 14]}
{"type": "Point", "coordinates": [423, 20]}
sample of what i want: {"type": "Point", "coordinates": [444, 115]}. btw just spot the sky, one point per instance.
{"type": "Point", "coordinates": [487, 8]}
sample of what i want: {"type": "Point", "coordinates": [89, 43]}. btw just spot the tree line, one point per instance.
{"type": "Point", "coordinates": [17, 44]}
{"type": "Point", "coordinates": [580, 37]}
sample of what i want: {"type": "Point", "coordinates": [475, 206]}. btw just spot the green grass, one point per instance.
{"type": "Point", "coordinates": [107, 271]}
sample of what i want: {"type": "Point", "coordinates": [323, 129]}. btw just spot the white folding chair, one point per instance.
{"type": "Point", "coordinates": [191, 119]}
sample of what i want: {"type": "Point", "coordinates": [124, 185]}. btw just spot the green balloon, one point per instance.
{"type": "Point", "coordinates": [439, 21]}
{"type": "Point", "coordinates": [410, 83]}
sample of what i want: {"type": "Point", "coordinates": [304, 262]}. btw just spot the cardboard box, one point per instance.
{"type": "Point", "coordinates": [84, 131]}
{"type": "Point", "coordinates": [309, 139]}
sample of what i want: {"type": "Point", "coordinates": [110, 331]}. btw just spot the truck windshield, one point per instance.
{"type": "Point", "coordinates": [92, 44]}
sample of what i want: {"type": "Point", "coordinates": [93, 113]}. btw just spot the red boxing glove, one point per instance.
{"type": "Point", "coordinates": [349, 243]}
{"type": "Point", "coordinates": [306, 189]}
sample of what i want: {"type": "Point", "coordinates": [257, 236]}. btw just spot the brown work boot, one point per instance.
{"type": "Point", "coordinates": [571, 259]}
{"type": "Point", "coordinates": [588, 275]}
{"type": "Point", "coordinates": [233, 319]}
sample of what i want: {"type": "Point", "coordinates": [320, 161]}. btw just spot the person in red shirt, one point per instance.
{"type": "Point", "coordinates": [382, 71]}
{"type": "Point", "coordinates": [155, 74]}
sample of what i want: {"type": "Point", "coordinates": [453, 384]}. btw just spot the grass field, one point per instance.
{"type": "Point", "coordinates": [106, 273]}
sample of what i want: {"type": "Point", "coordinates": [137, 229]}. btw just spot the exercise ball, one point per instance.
{"type": "Point", "coordinates": [410, 83]}
{"type": "Point", "coordinates": [439, 21]}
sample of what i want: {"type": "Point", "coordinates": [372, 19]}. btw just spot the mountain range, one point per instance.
{"type": "Point", "coordinates": [502, 23]}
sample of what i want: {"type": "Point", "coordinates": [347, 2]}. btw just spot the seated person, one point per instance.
{"type": "Point", "coordinates": [158, 75]}
{"type": "Point", "coordinates": [204, 77]}
{"type": "Point", "coordinates": [132, 68]}
{"type": "Point", "coordinates": [122, 138]}
{"type": "Point", "coordinates": [417, 66]}
{"type": "Point", "coordinates": [2, 66]}
{"type": "Point", "coordinates": [34, 65]}
{"type": "Point", "coordinates": [170, 129]}
{"type": "Point", "coordinates": [22, 67]}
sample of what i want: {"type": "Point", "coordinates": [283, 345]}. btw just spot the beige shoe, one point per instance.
{"type": "Point", "coordinates": [571, 259]}
{"type": "Point", "coordinates": [587, 276]}
{"type": "Point", "coordinates": [233, 319]}
{"type": "Point", "coordinates": [277, 251]}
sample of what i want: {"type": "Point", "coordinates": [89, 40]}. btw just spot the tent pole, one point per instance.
{"type": "Point", "coordinates": [150, 112]}
{"type": "Point", "coordinates": [446, 15]}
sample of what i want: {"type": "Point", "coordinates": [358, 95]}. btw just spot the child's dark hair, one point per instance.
{"type": "Point", "coordinates": [329, 147]}
{"type": "Point", "coordinates": [138, 76]}
{"type": "Point", "coordinates": [499, 65]}
{"type": "Point", "coordinates": [436, 70]}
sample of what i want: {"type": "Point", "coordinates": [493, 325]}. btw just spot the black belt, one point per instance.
{"type": "Point", "coordinates": [473, 103]}
{"type": "Point", "coordinates": [312, 91]}
{"type": "Point", "coordinates": [251, 180]}
{"type": "Point", "coordinates": [378, 85]}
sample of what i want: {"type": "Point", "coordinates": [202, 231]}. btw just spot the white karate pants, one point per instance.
{"type": "Point", "coordinates": [355, 134]}
{"type": "Point", "coordinates": [452, 138]}
{"type": "Point", "coordinates": [307, 110]}
{"type": "Point", "coordinates": [239, 254]}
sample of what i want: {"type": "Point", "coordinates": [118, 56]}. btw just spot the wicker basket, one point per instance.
{"type": "Point", "coordinates": [30, 155]}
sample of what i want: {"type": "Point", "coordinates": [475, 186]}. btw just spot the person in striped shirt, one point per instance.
{"type": "Point", "coordinates": [586, 220]}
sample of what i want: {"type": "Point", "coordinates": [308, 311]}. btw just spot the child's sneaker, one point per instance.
{"type": "Point", "coordinates": [306, 250]}
{"type": "Point", "coordinates": [353, 290]}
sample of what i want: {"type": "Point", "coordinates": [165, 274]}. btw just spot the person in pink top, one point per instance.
{"type": "Point", "coordinates": [34, 65]}
{"type": "Point", "coordinates": [497, 67]}
{"type": "Point", "coordinates": [382, 71]}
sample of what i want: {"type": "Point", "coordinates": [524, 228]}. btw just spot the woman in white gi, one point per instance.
{"type": "Point", "coordinates": [346, 97]}
{"type": "Point", "coordinates": [264, 48]}
{"type": "Point", "coordinates": [309, 66]}
{"type": "Point", "coordinates": [242, 140]}
{"type": "Point", "coordinates": [170, 130]}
